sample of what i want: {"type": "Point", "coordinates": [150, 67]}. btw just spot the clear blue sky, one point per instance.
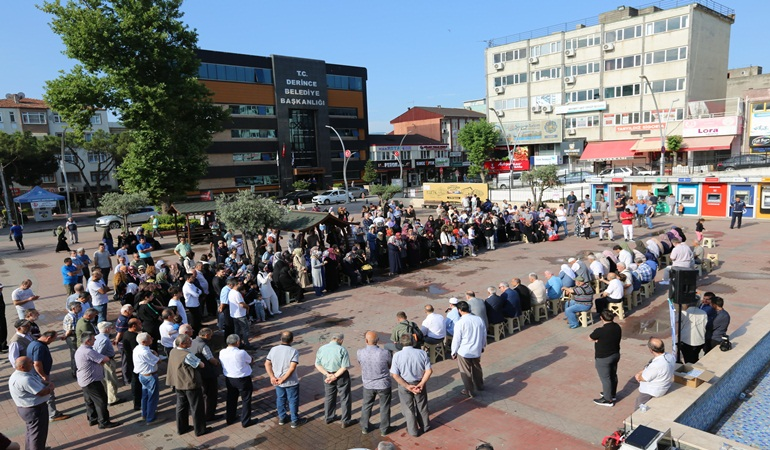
{"type": "Point", "coordinates": [418, 53]}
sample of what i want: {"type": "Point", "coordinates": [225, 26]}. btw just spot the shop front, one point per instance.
{"type": "Point", "coordinates": [390, 170]}
{"type": "Point", "coordinates": [688, 195]}
{"type": "Point", "coordinates": [606, 154]}
{"type": "Point", "coordinates": [424, 170]}
{"type": "Point", "coordinates": [662, 191]}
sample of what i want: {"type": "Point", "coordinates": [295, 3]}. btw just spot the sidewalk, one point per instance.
{"type": "Point", "coordinates": [540, 382]}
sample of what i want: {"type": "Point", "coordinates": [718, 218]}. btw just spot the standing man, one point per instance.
{"type": "Point", "coordinates": [127, 361]}
{"type": "Point", "coordinates": [146, 370]}
{"type": "Point", "coordinates": [184, 377]}
{"type": "Point", "coordinates": [281, 366]}
{"type": "Point", "coordinates": [571, 200]}
{"type": "Point", "coordinates": [738, 206]}
{"type": "Point", "coordinates": [720, 323]}
{"type": "Point", "coordinates": [627, 221]}
{"type": "Point", "coordinates": [182, 249]}
{"type": "Point", "coordinates": [86, 325]}
{"type": "Point", "coordinates": [69, 323]}
{"type": "Point", "coordinates": [693, 335]}
{"type": "Point", "coordinates": [17, 232]}
{"type": "Point", "coordinates": [332, 361]}
{"type": "Point", "coordinates": [23, 298]}
{"type": "Point", "coordinates": [72, 230]}
{"type": "Point", "coordinates": [103, 262]}
{"type": "Point", "coordinates": [239, 312]}
{"type": "Point", "coordinates": [103, 345]}
{"type": "Point", "coordinates": [411, 370]}
{"type": "Point", "coordinates": [155, 225]}
{"type": "Point", "coordinates": [657, 376]}
{"type": "Point", "coordinates": [375, 374]}
{"type": "Point", "coordinates": [468, 344]}
{"type": "Point", "coordinates": [19, 342]}
{"type": "Point", "coordinates": [209, 372]}
{"type": "Point", "coordinates": [30, 394]}
{"type": "Point", "coordinates": [70, 274]}
{"type": "Point", "coordinates": [42, 361]}
{"type": "Point", "coordinates": [192, 294]}
{"type": "Point", "coordinates": [236, 365]}
{"type": "Point", "coordinates": [90, 376]}
{"type": "Point", "coordinates": [99, 298]}
{"type": "Point", "coordinates": [606, 356]}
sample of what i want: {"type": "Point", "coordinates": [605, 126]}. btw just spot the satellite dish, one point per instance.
{"type": "Point", "coordinates": [20, 95]}
{"type": "Point", "coordinates": [8, 96]}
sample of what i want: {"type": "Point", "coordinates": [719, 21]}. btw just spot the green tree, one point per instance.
{"type": "Point", "coordinates": [122, 204]}
{"type": "Point", "coordinates": [673, 145]}
{"type": "Point", "coordinates": [384, 193]}
{"type": "Point", "coordinates": [248, 213]}
{"type": "Point", "coordinates": [539, 179]}
{"type": "Point", "coordinates": [25, 159]}
{"type": "Point", "coordinates": [137, 59]}
{"type": "Point", "coordinates": [370, 173]}
{"type": "Point", "coordinates": [301, 185]}
{"type": "Point", "coordinates": [478, 139]}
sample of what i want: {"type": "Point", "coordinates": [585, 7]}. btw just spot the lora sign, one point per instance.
{"type": "Point", "coordinates": [719, 126]}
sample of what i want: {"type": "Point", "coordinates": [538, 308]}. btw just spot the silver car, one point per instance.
{"type": "Point", "coordinates": [115, 222]}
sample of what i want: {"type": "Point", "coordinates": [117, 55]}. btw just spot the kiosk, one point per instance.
{"type": "Point", "coordinates": [714, 201]}
{"type": "Point", "coordinates": [688, 197]}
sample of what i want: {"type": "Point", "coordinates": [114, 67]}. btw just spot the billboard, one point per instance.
{"type": "Point", "coordinates": [718, 126]}
{"type": "Point", "coordinates": [533, 131]}
{"type": "Point", "coordinates": [435, 193]}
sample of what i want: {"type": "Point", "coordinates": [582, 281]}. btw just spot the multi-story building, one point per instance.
{"type": "Point", "coordinates": [442, 125]}
{"type": "Point", "coordinates": [85, 170]}
{"type": "Point", "coordinates": [282, 111]}
{"type": "Point", "coordinates": [420, 158]}
{"type": "Point", "coordinates": [596, 87]}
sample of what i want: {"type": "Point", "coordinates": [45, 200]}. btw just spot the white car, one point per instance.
{"type": "Point", "coordinates": [115, 222]}
{"type": "Point", "coordinates": [332, 196]}
{"type": "Point", "coordinates": [619, 172]}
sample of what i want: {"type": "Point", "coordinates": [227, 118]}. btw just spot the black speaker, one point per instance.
{"type": "Point", "coordinates": [682, 287]}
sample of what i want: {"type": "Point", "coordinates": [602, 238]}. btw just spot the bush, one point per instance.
{"type": "Point", "coordinates": [161, 226]}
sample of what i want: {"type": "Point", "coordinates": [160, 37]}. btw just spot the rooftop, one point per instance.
{"type": "Point", "coordinates": [29, 103]}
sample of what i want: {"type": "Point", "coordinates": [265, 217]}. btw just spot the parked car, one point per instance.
{"type": "Point", "coordinates": [292, 197]}
{"type": "Point", "coordinates": [114, 222]}
{"type": "Point", "coordinates": [642, 170]}
{"type": "Point", "coordinates": [356, 191]}
{"type": "Point", "coordinates": [575, 177]}
{"type": "Point", "coordinates": [332, 196]}
{"type": "Point", "coordinates": [744, 162]}
{"type": "Point", "coordinates": [619, 172]}
{"type": "Point", "coordinates": [504, 179]}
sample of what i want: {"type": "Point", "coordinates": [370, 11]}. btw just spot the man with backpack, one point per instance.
{"type": "Point", "coordinates": [405, 326]}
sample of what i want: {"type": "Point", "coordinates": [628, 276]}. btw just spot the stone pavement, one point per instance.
{"type": "Point", "coordinates": [540, 382]}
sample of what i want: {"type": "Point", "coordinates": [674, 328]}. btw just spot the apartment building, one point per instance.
{"type": "Point", "coordinates": [593, 89]}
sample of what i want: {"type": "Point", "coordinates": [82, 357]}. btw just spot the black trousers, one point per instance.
{"type": "Point", "coordinates": [690, 353]}
{"type": "Point", "coordinates": [195, 318]}
{"type": "Point", "coordinates": [19, 242]}
{"type": "Point", "coordinates": [72, 345]}
{"type": "Point", "coordinates": [36, 419]}
{"type": "Point", "coordinates": [239, 387]}
{"type": "Point", "coordinates": [190, 401]}
{"type": "Point", "coordinates": [136, 392]}
{"type": "Point", "coordinates": [3, 328]}
{"type": "Point", "coordinates": [210, 394]}
{"type": "Point", "coordinates": [96, 403]}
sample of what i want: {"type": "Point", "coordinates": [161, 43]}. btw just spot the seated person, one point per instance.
{"type": "Point", "coordinates": [500, 308]}
{"type": "Point", "coordinates": [582, 300]}
{"type": "Point", "coordinates": [512, 297]}
{"type": "Point", "coordinates": [553, 286]}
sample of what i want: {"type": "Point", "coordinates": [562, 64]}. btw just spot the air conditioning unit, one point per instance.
{"type": "Point", "coordinates": [608, 47]}
{"type": "Point", "coordinates": [62, 189]}
{"type": "Point", "coordinates": [534, 60]}
{"type": "Point", "coordinates": [547, 108]}
{"type": "Point", "coordinates": [537, 108]}
{"type": "Point", "coordinates": [499, 90]}
{"type": "Point", "coordinates": [499, 66]}
{"type": "Point", "coordinates": [569, 80]}
{"type": "Point", "coordinates": [569, 53]}
{"type": "Point", "coordinates": [571, 131]}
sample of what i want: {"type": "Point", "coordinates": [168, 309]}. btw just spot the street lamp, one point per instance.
{"type": "Point", "coordinates": [398, 157]}
{"type": "Point", "coordinates": [346, 154]}
{"type": "Point", "coordinates": [510, 152]}
{"type": "Point", "coordinates": [668, 119]}
{"type": "Point", "coordinates": [64, 174]}
{"type": "Point", "coordinates": [660, 125]}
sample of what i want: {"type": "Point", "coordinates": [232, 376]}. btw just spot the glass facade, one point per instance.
{"type": "Point", "coordinates": [302, 136]}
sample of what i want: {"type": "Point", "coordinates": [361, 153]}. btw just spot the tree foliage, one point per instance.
{"type": "Point", "coordinates": [25, 159]}
{"type": "Point", "coordinates": [122, 204]}
{"type": "Point", "coordinates": [478, 138]}
{"type": "Point", "coordinates": [370, 173]}
{"type": "Point", "coordinates": [539, 179]}
{"type": "Point", "coordinates": [384, 193]}
{"type": "Point", "coordinates": [137, 59]}
{"type": "Point", "coordinates": [301, 185]}
{"type": "Point", "coordinates": [673, 145]}
{"type": "Point", "coordinates": [248, 213]}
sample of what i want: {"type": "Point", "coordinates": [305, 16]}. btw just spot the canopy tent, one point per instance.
{"type": "Point", "coordinates": [303, 221]}
{"type": "Point", "coordinates": [38, 194]}
{"type": "Point", "coordinates": [193, 233]}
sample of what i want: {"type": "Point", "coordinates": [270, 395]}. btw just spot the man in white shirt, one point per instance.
{"type": "Point", "coordinates": [468, 342]}
{"type": "Point", "coordinates": [623, 255]}
{"type": "Point", "coordinates": [561, 220]}
{"type": "Point", "coordinates": [596, 267]}
{"type": "Point", "coordinates": [657, 376]}
{"type": "Point", "coordinates": [176, 303]}
{"type": "Point", "coordinates": [239, 311]}
{"type": "Point", "coordinates": [192, 295]}
{"type": "Point", "coordinates": [681, 256]}
{"type": "Point", "coordinates": [167, 331]}
{"type": "Point", "coordinates": [613, 294]}
{"type": "Point", "coordinates": [23, 298]}
{"type": "Point", "coordinates": [433, 327]}
{"type": "Point", "coordinates": [236, 366]}
{"type": "Point", "coordinates": [146, 367]}
{"type": "Point", "coordinates": [693, 333]}
{"type": "Point", "coordinates": [537, 287]}
{"type": "Point", "coordinates": [99, 298]}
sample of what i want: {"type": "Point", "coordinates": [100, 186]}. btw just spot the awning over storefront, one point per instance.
{"type": "Point", "coordinates": [608, 151]}
{"type": "Point", "coordinates": [706, 143]}
{"type": "Point", "coordinates": [647, 145]}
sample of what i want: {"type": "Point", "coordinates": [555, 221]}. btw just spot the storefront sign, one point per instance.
{"type": "Point", "coordinates": [760, 141]}
{"type": "Point", "coordinates": [36, 205]}
{"type": "Point", "coordinates": [434, 147]}
{"type": "Point", "coordinates": [711, 180]}
{"type": "Point", "coordinates": [435, 193]}
{"type": "Point", "coordinates": [637, 127]}
{"type": "Point", "coordinates": [442, 162]}
{"type": "Point", "coordinates": [684, 180]}
{"type": "Point", "coordinates": [533, 132]}
{"type": "Point", "coordinates": [720, 126]}
{"type": "Point", "coordinates": [455, 154]}
{"type": "Point", "coordinates": [392, 165]}
{"type": "Point", "coordinates": [496, 167]}
{"type": "Point", "coordinates": [580, 107]}
{"type": "Point", "coordinates": [546, 160]}
{"type": "Point", "coordinates": [424, 163]}
{"type": "Point", "coordinates": [573, 147]}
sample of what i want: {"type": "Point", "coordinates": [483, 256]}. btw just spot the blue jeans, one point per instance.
{"type": "Point", "coordinates": [649, 221]}
{"type": "Point", "coordinates": [150, 396]}
{"type": "Point", "coordinates": [102, 309]}
{"type": "Point", "coordinates": [562, 224]}
{"type": "Point", "coordinates": [291, 395]}
{"type": "Point", "coordinates": [572, 309]}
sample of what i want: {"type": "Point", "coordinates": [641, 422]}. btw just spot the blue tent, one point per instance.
{"type": "Point", "coordinates": [38, 194]}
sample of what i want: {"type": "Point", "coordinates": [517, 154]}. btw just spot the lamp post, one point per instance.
{"type": "Point", "coordinates": [660, 125]}
{"type": "Point", "coordinates": [8, 204]}
{"type": "Point", "coordinates": [510, 155]}
{"type": "Point", "coordinates": [665, 131]}
{"type": "Point", "coordinates": [345, 157]}
{"type": "Point", "coordinates": [398, 157]}
{"type": "Point", "coordinates": [64, 174]}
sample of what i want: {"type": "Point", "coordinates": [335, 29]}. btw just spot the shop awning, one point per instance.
{"type": "Point", "coordinates": [704, 144]}
{"type": "Point", "coordinates": [647, 145]}
{"type": "Point", "coordinates": [608, 151]}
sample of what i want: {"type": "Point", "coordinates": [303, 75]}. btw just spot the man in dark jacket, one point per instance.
{"type": "Point", "coordinates": [525, 295]}
{"type": "Point", "coordinates": [512, 297]}
{"type": "Point", "coordinates": [183, 376]}
{"type": "Point", "coordinates": [497, 308]}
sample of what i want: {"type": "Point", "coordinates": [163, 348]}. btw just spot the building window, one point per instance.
{"type": "Point", "coordinates": [512, 103]}
{"type": "Point", "coordinates": [664, 56]}
{"type": "Point", "coordinates": [252, 134]}
{"type": "Point", "coordinates": [346, 132]}
{"type": "Point", "coordinates": [425, 154]}
{"type": "Point", "coordinates": [12, 116]}
{"type": "Point", "coordinates": [97, 157]}
{"type": "Point", "coordinates": [72, 177]}
{"type": "Point", "coordinates": [545, 49]}
{"type": "Point", "coordinates": [48, 178]}
{"type": "Point", "coordinates": [33, 118]}
{"type": "Point", "coordinates": [623, 63]}
{"type": "Point", "coordinates": [258, 180]}
{"type": "Point", "coordinates": [626, 90]}
{"type": "Point", "coordinates": [623, 34]}
{"type": "Point", "coordinates": [69, 156]}
{"type": "Point", "coordinates": [1, 117]}
{"type": "Point", "coordinates": [96, 119]}
{"type": "Point", "coordinates": [223, 72]}
{"type": "Point", "coordinates": [669, 85]}
{"type": "Point", "coordinates": [87, 137]}
{"type": "Point", "coordinates": [581, 42]}
{"type": "Point", "coordinates": [622, 119]}
{"type": "Point", "coordinates": [343, 112]}
{"type": "Point", "coordinates": [550, 73]}
{"type": "Point", "coordinates": [587, 95]}
{"type": "Point", "coordinates": [344, 82]}
{"type": "Point", "coordinates": [95, 177]}
{"type": "Point", "coordinates": [56, 118]}
{"type": "Point", "coordinates": [252, 110]}
{"type": "Point", "coordinates": [517, 78]}
{"type": "Point", "coordinates": [511, 55]}
{"type": "Point", "coordinates": [253, 157]}
{"type": "Point", "coordinates": [581, 69]}
{"type": "Point", "coordinates": [582, 122]}
{"type": "Point", "coordinates": [662, 26]}
{"type": "Point", "coordinates": [652, 116]}
{"type": "Point", "coordinates": [302, 136]}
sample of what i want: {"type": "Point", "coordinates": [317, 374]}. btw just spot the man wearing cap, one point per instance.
{"type": "Point", "coordinates": [452, 316]}
{"type": "Point", "coordinates": [30, 394]}
{"type": "Point", "coordinates": [19, 342]}
{"type": "Point", "coordinates": [582, 300]}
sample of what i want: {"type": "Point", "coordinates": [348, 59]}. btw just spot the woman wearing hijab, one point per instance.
{"type": "Point", "coordinates": [298, 261]}
{"type": "Point", "coordinates": [612, 260]}
{"type": "Point", "coordinates": [265, 283]}
{"type": "Point", "coordinates": [109, 243]}
{"type": "Point", "coordinates": [61, 240]}
{"type": "Point", "coordinates": [567, 276]}
{"type": "Point", "coordinates": [394, 255]}
{"type": "Point", "coordinates": [331, 270]}
{"type": "Point", "coordinates": [317, 271]}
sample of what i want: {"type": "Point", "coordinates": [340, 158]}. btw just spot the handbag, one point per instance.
{"type": "Point", "coordinates": [366, 267]}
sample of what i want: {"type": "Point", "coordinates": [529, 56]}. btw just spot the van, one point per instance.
{"type": "Point", "coordinates": [504, 180]}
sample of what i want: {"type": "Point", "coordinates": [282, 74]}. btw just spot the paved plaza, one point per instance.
{"type": "Point", "coordinates": [539, 382]}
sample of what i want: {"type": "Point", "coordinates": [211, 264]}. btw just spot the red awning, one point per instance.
{"type": "Point", "coordinates": [608, 151]}
{"type": "Point", "coordinates": [706, 143]}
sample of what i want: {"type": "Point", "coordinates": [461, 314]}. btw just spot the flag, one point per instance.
{"type": "Point", "coordinates": [283, 151]}
{"type": "Point", "coordinates": [278, 159]}
{"type": "Point", "coordinates": [292, 159]}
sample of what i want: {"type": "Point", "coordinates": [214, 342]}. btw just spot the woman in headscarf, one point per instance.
{"type": "Point", "coordinates": [109, 243]}
{"type": "Point", "coordinates": [567, 276]}
{"type": "Point", "coordinates": [298, 261]}
{"type": "Point", "coordinates": [653, 248]}
{"type": "Point", "coordinates": [148, 311]}
{"type": "Point", "coordinates": [394, 255]}
{"type": "Point", "coordinates": [317, 270]}
{"type": "Point", "coordinates": [61, 240]}
{"type": "Point", "coordinates": [612, 260]}
{"type": "Point", "coordinates": [265, 283]}
{"type": "Point", "coordinates": [331, 270]}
